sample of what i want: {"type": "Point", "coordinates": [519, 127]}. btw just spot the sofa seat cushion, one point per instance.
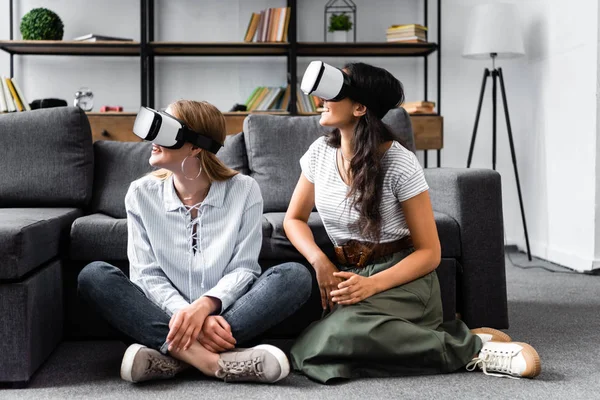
{"type": "Point", "coordinates": [277, 245]}
{"type": "Point", "coordinates": [99, 237]}
{"type": "Point", "coordinates": [31, 236]}
{"type": "Point", "coordinates": [449, 234]}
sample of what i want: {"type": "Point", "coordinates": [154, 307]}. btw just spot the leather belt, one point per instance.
{"type": "Point", "coordinates": [360, 254]}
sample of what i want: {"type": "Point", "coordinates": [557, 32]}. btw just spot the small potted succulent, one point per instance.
{"type": "Point", "coordinates": [339, 25]}
{"type": "Point", "coordinates": [41, 24]}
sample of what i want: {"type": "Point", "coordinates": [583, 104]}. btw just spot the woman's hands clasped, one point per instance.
{"type": "Point", "coordinates": [353, 289]}
{"type": "Point", "coordinates": [327, 280]}
{"type": "Point", "coordinates": [185, 326]}
{"type": "Point", "coordinates": [195, 322]}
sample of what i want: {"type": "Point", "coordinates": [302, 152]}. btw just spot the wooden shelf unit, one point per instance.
{"type": "Point", "coordinates": [70, 48]}
{"type": "Point", "coordinates": [147, 49]}
{"type": "Point", "coordinates": [366, 49]}
{"type": "Point", "coordinates": [218, 49]}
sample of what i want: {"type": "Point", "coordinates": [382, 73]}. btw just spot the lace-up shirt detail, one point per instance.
{"type": "Point", "coordinates": [192, 224]}
{"type": "Point", "coordinates": [175, 259]}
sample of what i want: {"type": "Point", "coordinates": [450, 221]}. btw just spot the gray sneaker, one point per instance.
{"type": "Point", "coordinates": [263, 363]}
{"type": "Point", "coordinates": [141, 363]}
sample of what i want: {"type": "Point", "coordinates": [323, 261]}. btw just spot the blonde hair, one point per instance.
{"type": "Point", "coordinates": [202, 117]}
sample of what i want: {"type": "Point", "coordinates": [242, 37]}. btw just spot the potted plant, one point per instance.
{"type": "Point", "coordinates": [339, 25]}
{"type": "Point", "coordinates": [41, 24]}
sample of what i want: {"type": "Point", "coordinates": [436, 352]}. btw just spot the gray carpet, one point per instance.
{"type": "Point", "coordinates": [556, 313]}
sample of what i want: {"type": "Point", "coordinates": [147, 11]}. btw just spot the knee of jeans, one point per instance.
{"type": "Point", "coordinates": [92, 275]}
{"type": "Point", "coordinates": [298, 276]}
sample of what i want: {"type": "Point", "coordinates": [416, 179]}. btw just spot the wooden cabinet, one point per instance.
{"type": "Point", "coordinates": [428, 129]}
{"type": "Point", "coordinates": [113, 126]}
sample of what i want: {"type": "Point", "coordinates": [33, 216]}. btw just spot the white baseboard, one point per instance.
{"type": "Point", "coordinates": [559, 256]}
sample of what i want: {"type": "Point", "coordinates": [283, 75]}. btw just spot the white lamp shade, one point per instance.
{"type": "Point", "coordinates": [494, 28]}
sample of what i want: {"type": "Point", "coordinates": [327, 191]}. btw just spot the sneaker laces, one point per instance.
{"type": "Point", "coordinates": [238, 369]}
{"type": "Point", "coordinates": [163, 365]}
{"type": "Point", "coordinates": [495, 362]}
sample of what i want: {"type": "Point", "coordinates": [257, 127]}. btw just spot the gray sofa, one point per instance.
{"type": "Point", "coordinates": [61, 207]}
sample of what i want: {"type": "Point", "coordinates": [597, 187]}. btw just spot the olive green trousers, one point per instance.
{"type": "Point", "coordinates": [396, 332]}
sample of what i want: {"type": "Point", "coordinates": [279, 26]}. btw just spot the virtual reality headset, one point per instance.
{"type": "Point", "coordinates": [332, 84]}
{"type": "Point", "coordinates": [167, 131]}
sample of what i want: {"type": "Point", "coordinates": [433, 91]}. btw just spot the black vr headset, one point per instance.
{"type": "Point", "coordinates": [333, 84]}
{"type": "Point", "coordinates": [167, 131]}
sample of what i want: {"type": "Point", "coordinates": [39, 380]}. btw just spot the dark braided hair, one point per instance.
{"type": "Point", "coordinates": [370, 133]}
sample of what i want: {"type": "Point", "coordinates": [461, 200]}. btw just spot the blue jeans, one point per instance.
{"type": "Point", "coordinates": [275, 295]}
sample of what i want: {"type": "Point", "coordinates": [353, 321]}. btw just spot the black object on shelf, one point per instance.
{"type": "Point", "coordinates": [239, 107]}
{"type": "Point", "coordinates": [47, 103]}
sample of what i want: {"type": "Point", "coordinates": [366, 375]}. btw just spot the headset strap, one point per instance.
{"type": "Point", "coordinates": [204, 142]}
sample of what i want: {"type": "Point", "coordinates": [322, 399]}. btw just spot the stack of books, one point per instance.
{"type": "Point", "coordinates": [307, 103]}
{"type": "Point", "coordinates": [270, 25]}
{"type": "Point", "coordinates": [11, 96]}
{"type": "Point", "coordinates": [411, 33]}
{"type": "Point", "coordinates": [265, 98]}
{"type": "Point", "coordinates": [419, 107]}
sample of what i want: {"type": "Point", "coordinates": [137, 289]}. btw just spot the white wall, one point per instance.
{"type": "Point", "coordinates": [552, 97]}
{"type": "Point", "coordinates": [552, 91]}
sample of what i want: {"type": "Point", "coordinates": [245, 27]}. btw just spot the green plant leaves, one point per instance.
{"type": "Point", "coordinates": [41, 24]}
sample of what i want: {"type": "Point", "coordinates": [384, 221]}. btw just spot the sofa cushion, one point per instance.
{"type": "Point", "coordinates": [277, 245]}
{"type": "Point", "coordinates": [47, 158]}
{"type": "Point", "coordinates": [275, 143]}
{"type": "Point", "coordinates": [117, 164]}
{"type": "Point", "coordinates": [99, 237]}
{"type": "Point", "coordinates": [399, 123]}
{"type": "Point", "coordinates": [280, 248]}
{"type": "Point", "coordinates": [31, 236]}
{"type": "Point", "coordinates": [233, 153]}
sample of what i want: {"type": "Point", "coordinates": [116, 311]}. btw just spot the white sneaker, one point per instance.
{"type": "Point", "coordinates": [141, 363]}
{"type": "Point", "coordinates": [491, 334]}
{"type": "Point", "coordinates": [263, 363]}
{"type": "Point", "coordinates": [507, 360]}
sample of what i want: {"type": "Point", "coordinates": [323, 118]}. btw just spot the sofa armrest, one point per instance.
{"type": "Point", "coordinates": [473, 197]}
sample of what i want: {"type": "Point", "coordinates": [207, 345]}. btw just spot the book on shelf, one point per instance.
{"type": "Point", "coordinates": [92, 37]}
{"type": "Point", "coordinates": [411, 33]}
{"type": "Point", "coordinates": [270, 25]}
{"type": "Point", "coordinates": [268, 98]}
{"type": "Point", "coordinates": [11, 96]}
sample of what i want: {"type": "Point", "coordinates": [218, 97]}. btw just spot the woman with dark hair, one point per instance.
{"type": "Point", "coordinates": [381, 297]}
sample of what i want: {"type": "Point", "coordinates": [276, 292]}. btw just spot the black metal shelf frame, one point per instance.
{"type": "Point", "coordinates": [148, 50]}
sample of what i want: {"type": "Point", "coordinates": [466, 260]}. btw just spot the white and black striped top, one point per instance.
{"type": "Point", "coordinates": [168, 266]}
{"type": "Point", "coordinates": [403, 179]}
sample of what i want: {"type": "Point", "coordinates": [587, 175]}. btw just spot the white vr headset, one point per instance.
{"type": "Point", "coordinates": [332, 84]}
{"type": "Point", "coordinates": [167, 131]}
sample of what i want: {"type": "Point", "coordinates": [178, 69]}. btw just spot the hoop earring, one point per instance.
{"type": "Point", "coordinates": [183, 169]}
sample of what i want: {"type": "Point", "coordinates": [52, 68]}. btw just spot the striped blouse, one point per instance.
{"type": "Point", "coordinates": [403, 179]}
{"type": "Point", "coordinates": [175, 266]}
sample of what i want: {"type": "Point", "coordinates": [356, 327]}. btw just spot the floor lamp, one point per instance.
{"type": "Point", "coordinates": [494, 33]}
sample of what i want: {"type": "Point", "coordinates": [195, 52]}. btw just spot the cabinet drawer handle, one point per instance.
{"type": "Point", "coordinates": [105, 133]}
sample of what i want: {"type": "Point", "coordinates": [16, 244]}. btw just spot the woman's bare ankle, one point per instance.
{"type": "Point", "coordinates": [199, 357]}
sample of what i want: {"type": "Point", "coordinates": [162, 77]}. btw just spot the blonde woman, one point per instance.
{"type": "Point", "coordinates": [196, 290]}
